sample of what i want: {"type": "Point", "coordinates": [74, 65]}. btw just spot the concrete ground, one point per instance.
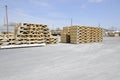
{"type": "Point", "coordinates": [91, 61]}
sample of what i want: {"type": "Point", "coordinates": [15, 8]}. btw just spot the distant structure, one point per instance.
{"type": "Point", "coordinates": [111, 33]}
{"type": "Point", "coordinates": [56, 32]}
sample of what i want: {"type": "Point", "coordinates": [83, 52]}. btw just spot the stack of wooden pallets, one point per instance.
{"type": "Point", "coordinates": [39, 33]}
{"type": "Point", "coordinates": [96, 34]}
{"type": "Point", "coordinates": [26, 33]}
{"type": "Point", "coordinates": [8, 38]}
{"type": "Point", "coordinates": [83, 34]}
{"type": "Point", "coordinates": [31, 33]}
{"type": "Point", "coordinates": [35, 34]}
{"type": "Point", "coordinates": [53, 40]}
{"type": "Point", "coordinates": [65, 35]}
{"type": "Point", "coordinates": [46, 33]}
{"type": "Point", "coordinates": [21, 34]}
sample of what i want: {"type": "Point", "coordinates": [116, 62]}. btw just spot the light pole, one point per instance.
{"type": "Point", "coordinates": [7, 19]}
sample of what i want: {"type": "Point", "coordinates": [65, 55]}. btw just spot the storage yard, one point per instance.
{"type": "Point", "coordinates": [31, 34]}
{"type": "Point", "coordinates": [63, 61]}
{"type": "Point", "coordinates": [59, 40]}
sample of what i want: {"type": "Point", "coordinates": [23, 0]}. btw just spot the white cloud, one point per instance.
{"type": "Point", "coordinates": [95, 1]}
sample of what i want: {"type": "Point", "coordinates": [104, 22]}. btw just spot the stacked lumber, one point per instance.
{"type": "Point", "coordinates": [83, 34]}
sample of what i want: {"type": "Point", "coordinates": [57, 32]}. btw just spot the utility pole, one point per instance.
{"type": "Point", "coordinates": [4, 21]}
{"type": "Point", "coordinates": [71, 22]}
{"type": "Point", "coordinates": [7, 19]}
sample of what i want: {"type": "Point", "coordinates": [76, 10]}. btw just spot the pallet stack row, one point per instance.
{"type": "Point", "coordinates": [25, 33]}
{"type": "Point", "coordinates": [84, 34]}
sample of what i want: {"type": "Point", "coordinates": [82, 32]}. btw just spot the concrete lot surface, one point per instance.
{"type": "Point", "coordinates": [91, 61]}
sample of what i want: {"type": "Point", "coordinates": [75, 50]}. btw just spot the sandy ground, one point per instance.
{"type": "Point", "coordinates": [92, 61]}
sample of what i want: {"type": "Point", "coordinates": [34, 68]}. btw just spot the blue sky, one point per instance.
{"type": "Point", "coordinates": [57, 13]}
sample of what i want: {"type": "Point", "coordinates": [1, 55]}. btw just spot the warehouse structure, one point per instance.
{"type": "Point", "coordinates": [81, 34]}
